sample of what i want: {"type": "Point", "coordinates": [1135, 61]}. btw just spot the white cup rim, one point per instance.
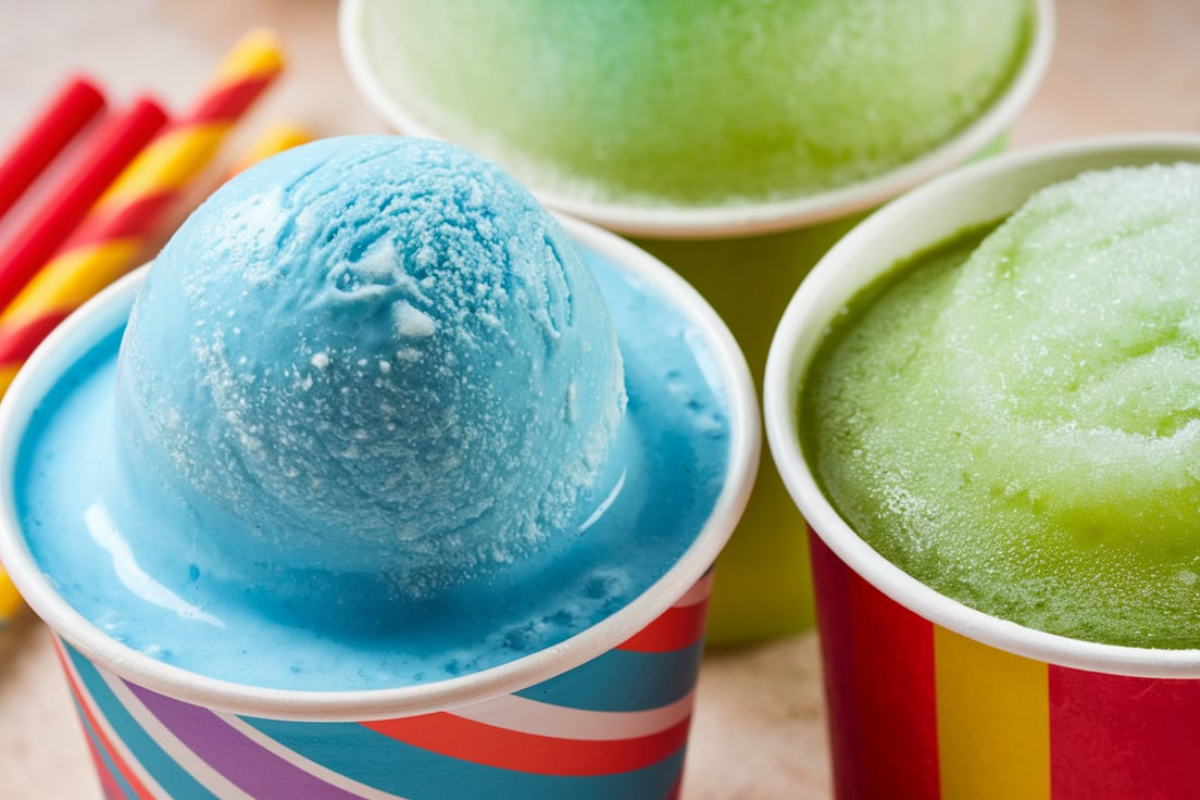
{"type": "Point", "coordinates": [895, 232]}
{"type": "Point", "coordinates": [719, 221]}
{"type": "Point", "coordinates": [101, 315]}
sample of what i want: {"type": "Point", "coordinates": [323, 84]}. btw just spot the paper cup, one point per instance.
{"type": "Point", "coordinates": [603, 714]}
{"type": "Point", "coordinates": [707, 222]}
{"type": "Point", "coordinates": [763, 584]}
{"type": "Point", "coordinates": [926, 696]}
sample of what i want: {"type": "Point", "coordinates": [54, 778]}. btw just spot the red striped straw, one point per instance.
{"type": "Point", "coordinates": [137, 202]}
{"type": "Point", "coordinates": [76, 104]}
{"type": "Point", "coordinates": [113, 235]}
{"type": "Point", "coordinates": [108, 154]}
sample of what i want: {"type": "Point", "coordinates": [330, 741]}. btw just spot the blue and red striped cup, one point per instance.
{"type": "Point", "coordinates": [616, 726]}
{"type": "Point", "coordinates": [928, 698]}
{"type": "Point", "coordinates": [604, 714]}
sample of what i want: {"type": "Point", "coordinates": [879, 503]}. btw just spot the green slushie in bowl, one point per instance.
{"type": "Point", "coordinates": [695, 104]}
{"type": "Point", "coordinates": [1014, 418]}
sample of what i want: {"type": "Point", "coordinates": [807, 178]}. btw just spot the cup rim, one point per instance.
{"type": "Point", "coordinates": [824, 292]}
{"type": "Point", "coordinates": [99, 315]}
{"type": "Point", "coordinates": [717, 221]}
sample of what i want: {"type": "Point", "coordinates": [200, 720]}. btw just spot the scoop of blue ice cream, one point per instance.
{"type": "Point", "coordinates": [372, 354]}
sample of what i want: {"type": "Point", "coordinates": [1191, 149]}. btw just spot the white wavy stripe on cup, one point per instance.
{"type": "Point", "coordinates": [927, 216]}
{"type": "Point", "coordinates": [719, 221]}
{"type": "Point", "coordinates": [104, 313]}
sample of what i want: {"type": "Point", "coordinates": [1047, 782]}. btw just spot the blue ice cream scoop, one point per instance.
{"type": "Point", "coordinates": [372, 354]}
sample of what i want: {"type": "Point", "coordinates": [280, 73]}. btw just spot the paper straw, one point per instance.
{"type": "Point", "coordinates": [76, 104]}
{"type": "Point", "coordinates": [115, 146]}
{"type": "Point", "coordinates": [275, 139]}
{"type": "Point", "coordinates": [111, 237]}
{"type": "Point", "coordinates": [113, 234]}
{"type": "Point", "coordinates": [178, 156]}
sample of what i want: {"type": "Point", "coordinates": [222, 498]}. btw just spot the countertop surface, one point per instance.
{"type": "Point", "coordinates": [759, 728]}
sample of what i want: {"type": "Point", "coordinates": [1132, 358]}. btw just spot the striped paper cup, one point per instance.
{"type": "Point", "coordinates": [604, 714]}
{"type": "Point", "coordinates": [928, 698]}
{"type": "Point", "coordinates": [616, 726]}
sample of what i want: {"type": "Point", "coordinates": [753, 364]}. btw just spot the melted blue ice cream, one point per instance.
{"type": "Point", "coordinates": [373, 354]}
{"type": "Point", "coordinates": [211, 497]}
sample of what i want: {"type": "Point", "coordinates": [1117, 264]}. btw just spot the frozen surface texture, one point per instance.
{"type": "Point", "coordinates": [1022, 430]}
{"type": "Point", "coordinates": [696, 103]}
{"type": "Point", "coordinates": [373, 354]}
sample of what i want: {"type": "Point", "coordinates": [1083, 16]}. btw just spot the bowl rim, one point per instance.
{"type": "Point", "coordinates": [102, 314]}
{"type": "Point", "coordinates": [975, 194]}
{"type": "Point", "coordinates": [717, 221]}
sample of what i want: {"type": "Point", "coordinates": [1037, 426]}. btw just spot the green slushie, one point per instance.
{"type": "Point", "coordinates": [1014, 418]}
{"type": "Point", "coordinates": [696, 102]}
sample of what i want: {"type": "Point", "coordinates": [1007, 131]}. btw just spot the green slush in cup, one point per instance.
{"type": "Point", "coordinates": [983, 402]}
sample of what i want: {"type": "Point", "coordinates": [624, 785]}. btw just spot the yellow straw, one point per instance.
{"type": "Point", "coordinates": [10, 601]}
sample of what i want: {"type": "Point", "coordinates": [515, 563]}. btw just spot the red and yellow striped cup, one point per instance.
{"type": "Point", "coordinates": [928, 698]}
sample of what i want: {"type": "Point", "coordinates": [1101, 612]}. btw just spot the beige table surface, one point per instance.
{"type": "Point", "coordinates": [1119, 65]}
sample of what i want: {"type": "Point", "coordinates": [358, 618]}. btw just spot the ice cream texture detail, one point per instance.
{"type": "Point", "coordinates": [373, 354]}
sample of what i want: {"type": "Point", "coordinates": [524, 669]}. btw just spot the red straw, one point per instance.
{"type": "Point", "coordinates": [75, 105]}
{"type": "Point", "coordinates": [113, 149]}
